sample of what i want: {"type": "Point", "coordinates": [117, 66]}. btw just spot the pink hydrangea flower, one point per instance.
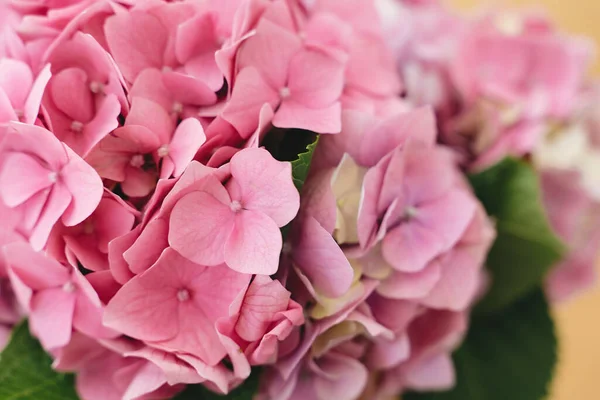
{"type": "Point", "coordinates": [43, 181]}
{"type": "Point", "coordinates": [57, 297]}
{"type": "Point", "coordinates": [84, 95]}
{"type": "Point", "coordinates": [87, 242]}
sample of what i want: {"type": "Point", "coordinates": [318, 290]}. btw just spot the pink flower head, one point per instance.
{"type": "Point", "coordinates": [43, 180]}
{"type": "Point", "coordinates": [20, 92]}
{"type": "Point", "coordinates": [175, 304]}
{"type": "Point", "coordinates": [87, 242]}
{"type": "Point", "coordinates": [573, 214]}
{"type": "Point", "coordinates": [110, 370]}
{"type": "Point", "coordinates": [184, 38]}
{"type": "Point", "coordinates": [513, 73]}
{"type": "Point", "coordinates": [301, 82]}
{"type": "Point", "coordinates": [84, 95]}
{"type": "Point", "coordinates": [238, 223]}
{"type": "Point", "coordinates": [146, 148]}
{"type": "Point", "coordinates": [57, 297]}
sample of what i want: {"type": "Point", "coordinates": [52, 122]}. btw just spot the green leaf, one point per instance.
{"type": "Point", "coordinates": [25, 372]}
{"type": "Point", "coordinates": [506, 355]}
{"type": "Point", "coordinates": [244, 392]}
{"type": "Point", "coordinates": [526, 247]}
{"type": "Point", "coordinates": [301, 165]}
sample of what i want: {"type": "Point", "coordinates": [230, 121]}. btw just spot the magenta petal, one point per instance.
{"type": "Point", "coordinates": [200, 225]}
{"type": "Point", "coordinates": [254, 245]}
{"type": "Point", "coordinates": [51, 317]}
{"type": "Point", "coordinates": [265, 185]}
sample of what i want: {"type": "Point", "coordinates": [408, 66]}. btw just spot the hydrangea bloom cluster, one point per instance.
{"type": "Point", "coordinates": [155, 235]}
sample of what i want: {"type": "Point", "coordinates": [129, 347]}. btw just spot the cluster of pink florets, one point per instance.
{"type": "Point", "coordinates": [141, 214]}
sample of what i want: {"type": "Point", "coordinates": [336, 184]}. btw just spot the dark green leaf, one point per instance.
{"type": "Point", "coordinates": [301, 165]}
{"type": "Point", "coordinates": [245, 392]}
{"type": "Point", "coordinates": [526, 247]}
{"type": "Point", "coordinates": [506, 355]}
{"type": "Point", "coordinates": [25, 372]}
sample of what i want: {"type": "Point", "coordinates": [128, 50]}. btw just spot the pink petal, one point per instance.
{"type": "Point", "coordinates": [318, 256]}
{"type": "Point", "coordinates": [85, 186]}
{"type": "Point", "coordinates": [401, 285]}
{"type": "Point", "coordinates": [142, 302]}
{"type": "Point", "coordinates": [436, 373]}
{"type": "Point", "coordinates": [270, 51]}
{"type": "Point", "coordinates": [186, 141]}
{"type": "Point", "coordinates": [104, 122]}
{"type": "Point", "coordinates": [71, 94]}
{"type": "Point", "coordinates": [292, 114]}
{"type": "Point", "coordinates": [32, 105]}
{"type": "Point", "coordinates": [148, 247]}
{"type": "Point", "coordinates": [51, 317]}
{"type": "Point", "coordinates": [137, 40]}
{"type": "Point", "coordinates": [250, 93]}
{"type": "Point", "coordinates": [410, 246]}
{"type": "Point", "coordinates": [147, 113]}
{"type": "Point", "coordinates": [264, 299]}
{"type": "Point", "coordinates": [33, 268]}
{"type": "Point", "coordinates": [385, 354]}
{"type": "Point", "coordinates": [87, 319]}
{"type": "Point", "coordinates": [16, 80]}
{"type": "Point", "coordinates": [200, 227]}
{"type": "Point", "coordinates": [315, 80]}
{"type": "Point", "coordinates": [56, 204]}
{"type": "Point", "coordinates": [264, 184]}
{"type": "Point", "coordinates": [346, 378]}
{"type": "Point", "coordinates": [254, 244]}
{"type": "Point", "coordinates": [21, 177]}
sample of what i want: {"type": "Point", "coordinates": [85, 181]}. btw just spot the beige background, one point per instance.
{"type": "Point", "coordinates": [578, 375]}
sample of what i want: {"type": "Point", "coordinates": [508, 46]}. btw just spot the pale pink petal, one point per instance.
{"type": "Point", "coordinates": [21, 177]}
{"type": "Point", "coordinates": [402, 285]}
{"type": "Point", "coordinates": [264, 184]}
{"type": "Point", "coordinates": [410, 246]}
{"type": "Point", "coordinates": [144, 300]}
{"type": "Point", "coordinates": [147, 113]}
{"type": "Point", "coordinates": [318, 256]}
{"type": "Point", "coordinates": [292, 114]}
{"type": "Point", "coordinates": [186, 141]}
{"type": "Point", "coordinates": [137, 40]}
{"type": "Point", "coordinates": [200, 227]}
{"type": "Point", "coordinates": [436, 373]}
{"type": "Point", "coordinates": [33, 268]}
{"type": "Point", "coordinates": [85, 186]}
{"type": "Point", "coordinates": [385, 354]}
{"type": "Point", "coordinates": [16, 80]}
{"type": "Point", "coordinates": [345, 378]}
{"type": "Point", "coordinates": [250, 93]}
{"type": "Point", "coordinates": [263, 300]}
{"type": "Point", "coordinates": [71, 95]}
{"type": "Point", "coordinates": [148, 247]}
{"type": "Point", "coordinates": [32, 104]}
{"type": "Point", "coordinates": [254, 244]}
{"type": "Point", "coordinates": [57, 203]}
{"type": "Point", "coordinates": [315, 80]}
{"type": "Point", "coordinates": [51, 317]}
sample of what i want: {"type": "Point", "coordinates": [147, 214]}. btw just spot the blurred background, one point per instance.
{"type": "Point", "coordinates": [577, 320]}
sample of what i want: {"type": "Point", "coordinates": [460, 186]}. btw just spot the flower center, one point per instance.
{"type": "Point", "coordinates": [235, 206]}
{"type": "Point", "coordinates": [163, 150]}
{"type": "Point", "coordinates": [183, 295]}
{"type": "Point", "coordinates": [410, 212]}
{"type": "Point", "coordinates": [76, 126]}
{"type": "Point", "coordinates": [177, 107]}
{"type": "Point", "coordinates": [53, 177]}
{"type": "Point", "coordinates": [137, 161]}
{"type": "Point", "coordinates": [69, 287]}
{"type": "Point", "coordinates": [284, 92]}
{"type": "Point", "coordinates": [96, 87]}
